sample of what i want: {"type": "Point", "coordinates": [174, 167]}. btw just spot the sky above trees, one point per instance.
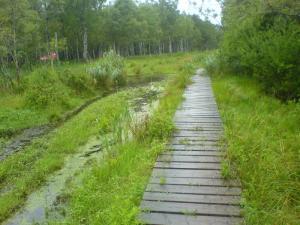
{"type": "Point", "coordinates": [193, 6]}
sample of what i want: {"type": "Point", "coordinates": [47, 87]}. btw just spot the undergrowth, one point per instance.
{"type": "Point", "coordinates": [263, 139]}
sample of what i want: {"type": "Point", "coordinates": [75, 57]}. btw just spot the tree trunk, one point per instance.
{"type": "Point", "coordinates": [181, 45]}
{"type": "Point", "coordinates": [56, 46]}
{"type": "Point", "coordinates": [15, 55]}
{"type": "Point", "coordinates": [159, 48]}
{"type": "Point", "coordinates": [77, 50]}
{"type": "Point", "coordinates": [85, 44]}
{"type": "Point", "coordinates": [170, 45]}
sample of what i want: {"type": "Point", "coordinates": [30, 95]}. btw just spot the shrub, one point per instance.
{"type": "Point", "coordinates": [44, 88]}
{"type": "Point", "coordinates": [80, 82]}
{"type": "Point", "coordinates": [264, 43]}
{"type": "Point", "coordinates": [110, 71]}
{"type": "Point", "coordinates": [137, 70]}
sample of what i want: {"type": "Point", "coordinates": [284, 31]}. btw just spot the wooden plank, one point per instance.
{"type": "Point", "coordinates": [190, 159]}
{"type": "Point", "coordinates": [191, 208]}
{"type": "Point", "coordinates": [193, 147]}
{"type": "Point", "coordinates": [195, 166]}
{"type": "Point", "coordinates": [198, 134]}
{"type": "Point", "coordinates": [194, 189]}
{"type": "Point", "coordinates": [193, 153]}
{"type": "Point", "coordinates": [195, 181]}
{"type": "Point", "coordinates": [202, 128]}
{"type": "Point", "coordinates": [198, 131]}
{"type": "Point", "coordinates": [203, 122]}
{"type": "Point", "coordinates": [202, 138]}
{"type": "Point", "coordinates": [186, 173]}
{"type": "Point", "coordinates": [197, 143]}
{"type": "Point", "coordinates": [190, 198]}
{"type": "Point", "coordinates": [179, 219]}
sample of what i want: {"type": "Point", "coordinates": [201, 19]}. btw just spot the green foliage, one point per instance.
{"type": "Point", "coordinates": [44, 89]}
{"type": "Point", "coordinates": [262, 39]}
{"type": "Point", "coordinates": [137, 70]}
{"type": "Point", "coordinates": [262, 139]}
{"type": "Point", "coordinates": [109, 72]}
{"type": "Point", "coordinates": [79, 82]}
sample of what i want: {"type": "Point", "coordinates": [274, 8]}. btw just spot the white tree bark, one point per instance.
{"type": "Point", "coordinates": [85, 44]}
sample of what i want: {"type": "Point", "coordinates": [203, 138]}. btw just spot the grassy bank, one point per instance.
{"type": "Point", "coordinates": [263, 137]}
{"type": "Point", "coordinates": [45, 94]}
{"type": "Point", "coordinates": [111, 192]}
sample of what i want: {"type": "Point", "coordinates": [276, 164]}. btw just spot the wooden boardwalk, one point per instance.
{"type": "Point", "coordinates": [186, 186]}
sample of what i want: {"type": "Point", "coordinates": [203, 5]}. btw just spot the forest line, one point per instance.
{"type": "Point", "coordinates": [33, 30]}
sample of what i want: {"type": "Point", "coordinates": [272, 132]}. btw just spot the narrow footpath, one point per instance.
{"type": "Point", "coordinates": [186, 186]}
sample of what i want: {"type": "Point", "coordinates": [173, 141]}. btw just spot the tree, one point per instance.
{"type": "Point", "coordinates": [18, 30]}
{"type": "Point", "coordinates": [261, 39]}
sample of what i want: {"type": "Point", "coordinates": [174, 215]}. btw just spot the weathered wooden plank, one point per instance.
{"type": "Point", "coordinates": [197, 138]}
{"type": "Point", "coordinates": [191, 208]}
{"type": "Point", "coordinates": [179, 219]}
{"type": "Point", "coordinates": [198, 134]}
{"type": "Point", "coordinates": [193, 153]}
{"type": "Point", "coordinates": [195, 181]}
{"type": "Point", "coordinates": [190, 159]}
{"type": "Point", "coordinates": [195, 166]}
{"type": "Point", "coordinates": [194, 189]}
{"type": "Point", "coordinates": [190, 198]}
{"type": "Point", "coordinates": [186, 173]}
{"type": "Point", "coordinates": [194, 147]}
{"type": "Point", "coordinates": [196, 143]}
{"type": "Point", "coordinates": [202, 128]}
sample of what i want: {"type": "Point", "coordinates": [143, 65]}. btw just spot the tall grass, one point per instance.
{"type": "Point", "coordinates": [263, 138]}
{"type": "Point", "coordinates": [109, 72]}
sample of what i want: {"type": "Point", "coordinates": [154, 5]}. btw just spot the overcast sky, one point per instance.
{"type": "Point", "coordinates": [192, 7]}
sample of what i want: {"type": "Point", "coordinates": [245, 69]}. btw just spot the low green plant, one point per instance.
{"type": "Point", "coordinates": [44, 89]}
{"type": "Point", "coordinates": [137, 70]}
{"type": "Point", "coordinates": [79, 82]}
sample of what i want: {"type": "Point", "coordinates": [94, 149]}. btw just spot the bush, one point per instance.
{"type": "Point", "coordinates": [137, 70]}
{"type": "Point", "coordinates": [264, 43]}
{"type": "Point", "coordinates": [110, 71]}
{"type": "Point", "coordinates": [44, 88]}
{"type": "Point", "coordinates": [80, 82]}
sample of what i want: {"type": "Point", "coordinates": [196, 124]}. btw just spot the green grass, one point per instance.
{"type": "Point", "coordinates": [263, 138]}
{"type": "Point", "coordinates": [111, 192]}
